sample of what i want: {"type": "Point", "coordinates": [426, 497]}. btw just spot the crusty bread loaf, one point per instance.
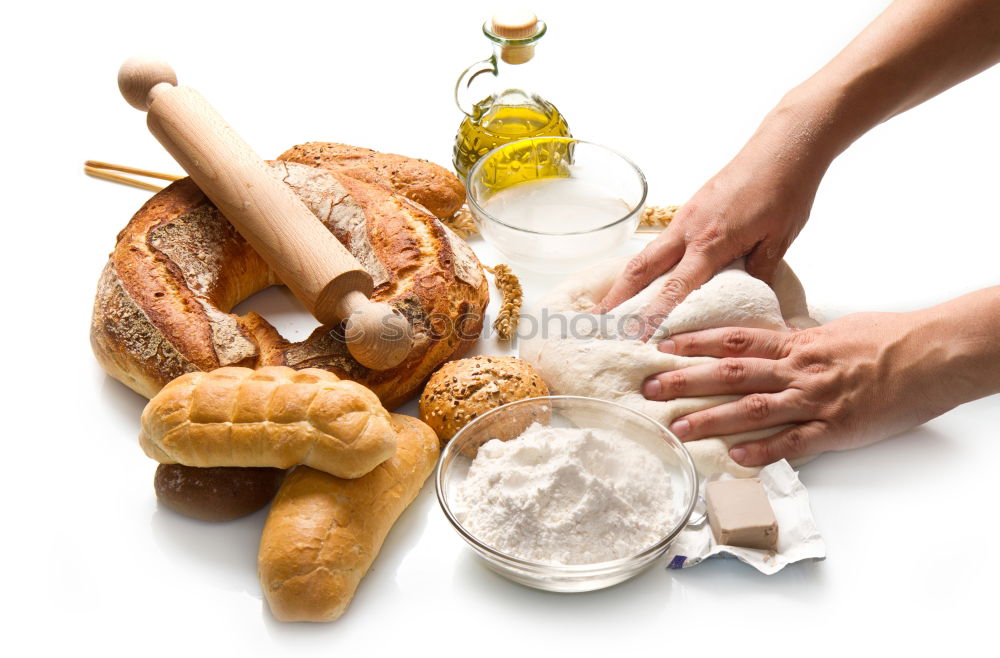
{"type": "Point", "coordinates": [273, 416]}
{"type": "Point", "coordinates": [430, 185]}
{"type": "Point", "coordinates": [164, 299]}
{"type": "Point", "coordinates": [323, 533]}
{"type": "Point", "coordinates": [462, 390]}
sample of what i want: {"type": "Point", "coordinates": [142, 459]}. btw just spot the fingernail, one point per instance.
{"type": "Point", "coordinates": [667, 346]}
{"type": "Point", "coordinates": [681, 428]}
{"type": "Point", "coordinates": [651, 388]}
{"type": "Point", "coordinates": [738, 454]}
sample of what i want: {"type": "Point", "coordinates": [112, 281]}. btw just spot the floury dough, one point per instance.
{"type": "Point", "coordinates": [561, 495]}
{"type": "Point", "coordinates": [577, 353]}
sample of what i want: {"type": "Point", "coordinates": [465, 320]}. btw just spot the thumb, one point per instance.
{"type": "Point", "coordinates": [658, 257]}
{"type": "Point", "coordinates": [695, 269]}
{"type": "Point", "coordinates": [762, 261]}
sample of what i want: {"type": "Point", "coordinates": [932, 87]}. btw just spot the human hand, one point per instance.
{"type": "Point", "coordinates": [843, 385]}
{"type": "Point", "coordinates": [754, 207]}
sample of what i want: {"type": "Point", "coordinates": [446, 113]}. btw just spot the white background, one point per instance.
{"type": "Point", "coordinates": [907, 218]}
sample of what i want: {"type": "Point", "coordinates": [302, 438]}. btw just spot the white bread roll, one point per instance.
{"type": "Point", "coordinates": [323, 532]}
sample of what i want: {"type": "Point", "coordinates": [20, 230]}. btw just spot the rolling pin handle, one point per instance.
{"type": "Point", "coordinates": [278, 225]}
{"type": "Point", "coordinates": [139, 75]}
{"type": "Point", "coordinates": [377, 335]}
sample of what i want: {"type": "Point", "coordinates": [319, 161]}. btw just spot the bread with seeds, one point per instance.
{"type": "Point", "coordinates": [461, 391]}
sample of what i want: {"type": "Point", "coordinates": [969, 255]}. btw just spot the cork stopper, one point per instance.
{"type": "Point", "coordinates": [515, 24]}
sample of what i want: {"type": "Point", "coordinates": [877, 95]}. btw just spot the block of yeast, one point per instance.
{"type": "Point", "coordinates": [741, 515]}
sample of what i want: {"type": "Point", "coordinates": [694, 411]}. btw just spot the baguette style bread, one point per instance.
{"type": "Point", "coordinates": [323, 533]}
{"type": "Point", "coordinates": [274, 416]}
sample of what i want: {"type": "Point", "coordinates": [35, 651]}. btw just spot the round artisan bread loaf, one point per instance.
{"type": "Point", "coordinates": [430, 185]}
{"type": "Point", "coordinates": [164, 299]}
{"type": "Point", "coordinates": [463, 390]}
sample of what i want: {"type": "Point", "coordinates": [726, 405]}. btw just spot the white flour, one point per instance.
{"type": "Point", "coordinates": [566, 496]}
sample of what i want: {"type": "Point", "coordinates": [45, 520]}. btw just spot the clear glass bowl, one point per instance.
{"type": "Point", "coordinates": [553, 204]}
{"type": "Point", "coordinates": [508, 422]}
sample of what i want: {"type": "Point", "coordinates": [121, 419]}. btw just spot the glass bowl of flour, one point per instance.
{"type": "Point", "coordinates": [566, 493]}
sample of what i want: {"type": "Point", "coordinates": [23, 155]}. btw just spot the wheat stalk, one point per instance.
{"type": "Point", "coordinates": [511, 294]}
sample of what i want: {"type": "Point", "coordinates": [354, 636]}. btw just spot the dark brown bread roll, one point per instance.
{"type": "Point", "coordinates": [216, 494]}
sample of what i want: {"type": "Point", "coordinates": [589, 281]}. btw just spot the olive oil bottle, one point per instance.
{"type": "Point", "coordinates": [507, 109]}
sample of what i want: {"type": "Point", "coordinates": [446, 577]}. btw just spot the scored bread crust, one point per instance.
{"type": "Point", "coordinates": [273, 416]}
{"type": "Point", "coordinates": [430, 185]}
{"type": "Point", "coordinates": [164, 298]}
{"type": "Point", "coordinates": [323, 533]}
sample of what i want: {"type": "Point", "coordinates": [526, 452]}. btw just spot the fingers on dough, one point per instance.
{"type": "Point", "coordinates": [790, 443]}
{"type": "Point", "coordinates": [601, 366]}
{"type": "Point", "coordinates": [646, 266]}
{"type": "Point", "coordinates": [689, 275]}
{"type": "Point", "coordinates": [725, 377]}
{"type": "Point", "coordinates": [731, 342]}
{"type": "Point", "coordinates": [756, 411]}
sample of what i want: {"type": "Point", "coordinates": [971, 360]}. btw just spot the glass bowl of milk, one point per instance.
{"type": "Point", "coordinates": [554, 204]}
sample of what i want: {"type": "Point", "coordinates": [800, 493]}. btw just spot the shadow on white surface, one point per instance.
{"type": "Point", "coordinates": [122, 400]}
{"type": "Point", "coordinates": [625, 599]}
{"type": "Point", "coordinates": [917, 455]}
{"type": "Point", "coordinates": [222, 553]}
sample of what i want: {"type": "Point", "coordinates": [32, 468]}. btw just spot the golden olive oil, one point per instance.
{"type": "Point", "coordinates": [494, 123]}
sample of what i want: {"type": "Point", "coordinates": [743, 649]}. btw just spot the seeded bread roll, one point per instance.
{"type": "Point", "coordinates": [462, 390]}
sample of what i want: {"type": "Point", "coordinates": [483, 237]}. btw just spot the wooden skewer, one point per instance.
{"type": "Point", "coordinates": [103, 170]}
{"type": "Point", "coordinates": [118, 178]}
{"type": "Point", "coordinates": [97, 164]}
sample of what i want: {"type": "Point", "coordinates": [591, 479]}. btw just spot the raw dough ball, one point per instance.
{"type": "Point", "coordinates": [577, 353]}
{"type": "Point", "coordinates": [216, 494]}
{"type": "Point", "coordinates": [462, 390]}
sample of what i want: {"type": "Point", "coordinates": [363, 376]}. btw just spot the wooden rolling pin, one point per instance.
{"type": "Point", "coordinates": [294, 242]}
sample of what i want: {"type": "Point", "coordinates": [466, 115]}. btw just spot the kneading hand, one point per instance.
{"type": "Point", "coordinates": [842, 385]}
{"type": "Point", "coordinates": [754, 207]}
{"type": "Point", "coordinates": [759, 202]}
